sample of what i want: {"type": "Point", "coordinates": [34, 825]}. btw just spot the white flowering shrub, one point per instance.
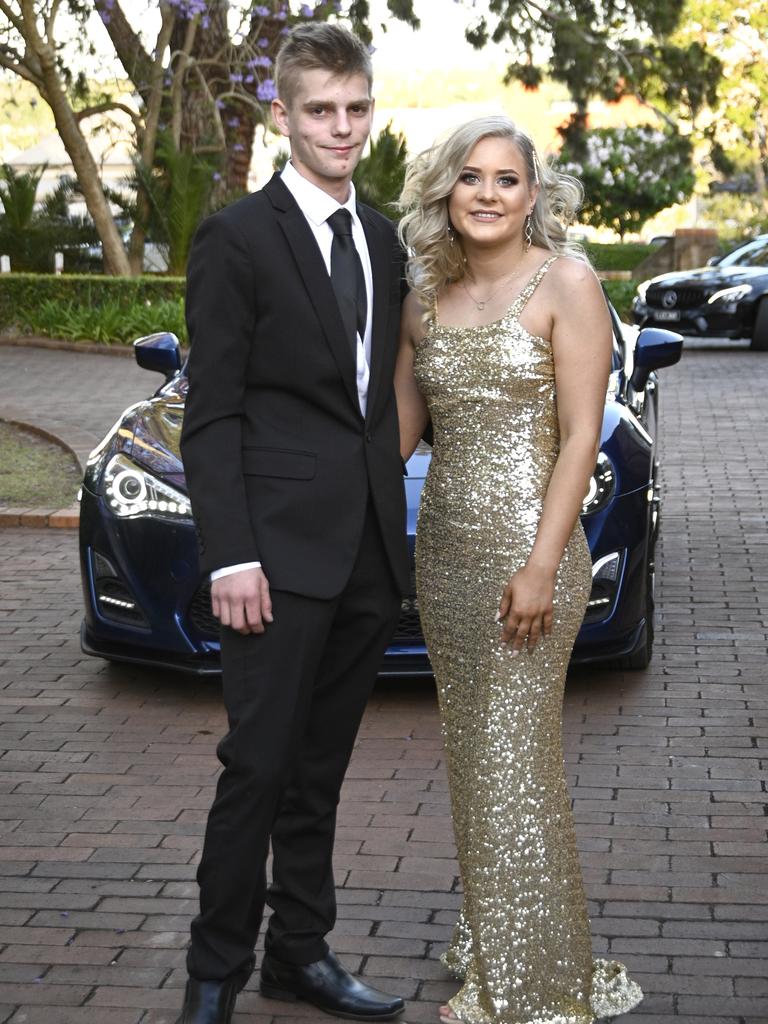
{"type": "Point", "coordinates": [629, 174]}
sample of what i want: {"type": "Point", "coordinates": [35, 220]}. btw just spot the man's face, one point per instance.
{"type": "Point", "coordinates": [328, 122]}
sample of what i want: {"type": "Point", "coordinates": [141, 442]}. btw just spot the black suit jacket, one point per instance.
{"type": "Point", "coordinates": [279, 460]}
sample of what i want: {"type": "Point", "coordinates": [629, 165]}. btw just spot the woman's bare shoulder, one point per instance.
{"type": "Point", "coordinates": [571, 270]}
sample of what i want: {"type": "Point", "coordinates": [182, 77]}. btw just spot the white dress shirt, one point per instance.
{"type": "Point", "coordinates": [317, 206]}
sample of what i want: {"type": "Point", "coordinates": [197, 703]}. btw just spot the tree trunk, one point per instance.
{"type": "Point", "coordinates": [761, 145]}
{"type": "Point", "coordinates": [115, 258]}
{"type": "Point", "coordinates": [214, 120]}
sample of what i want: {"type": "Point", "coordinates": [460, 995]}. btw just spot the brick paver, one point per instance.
{"type": "Point", "coordinates": [76, 396]}
{"type": "Point", "coordinates": [106, 774]}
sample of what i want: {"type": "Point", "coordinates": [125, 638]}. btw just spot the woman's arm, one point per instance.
{"type": "Point", "coordinates": [411, 407]}
{"type": "Point", "coordinates": [581, 347]}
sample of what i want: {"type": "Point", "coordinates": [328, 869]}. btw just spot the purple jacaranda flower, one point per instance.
{"type": "Point", "coordinates": [216, 176]}
{"type": "Point", "coordinates": [233, 122]}
{"type": "Point", "coordinates": [235, 76]}
{"type": "Point", "coordinates": [266, 91]}
{"type": "Point", "coordinates": [261, 11]}
{"type": "Point", "coordinates": [306, 11]}
{"type": "Point", "coordinates": [238, 147]}
{"type": "Point", "coordinates": [263, 43]}
{"type": "Point", "coordinates": [259, 62]}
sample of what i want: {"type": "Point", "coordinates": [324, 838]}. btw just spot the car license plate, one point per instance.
{"type": "Point", "coordinates": [666, 314]}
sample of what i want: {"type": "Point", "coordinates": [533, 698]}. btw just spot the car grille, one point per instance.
{"type": "Point", "coordinates": [201, 614]}
{"type": "Point", "coordinates": [687, 298]}
{"type": "Point", "coordinates": [207, 625]}
{"type": "Point", "coordinates": [409, 627]}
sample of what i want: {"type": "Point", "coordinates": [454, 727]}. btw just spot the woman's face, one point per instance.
{"type": "Point", "coordinates": [492, 198]}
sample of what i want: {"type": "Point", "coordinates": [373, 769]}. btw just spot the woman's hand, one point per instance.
{"type": "Point", "coordinates": [526, 608]}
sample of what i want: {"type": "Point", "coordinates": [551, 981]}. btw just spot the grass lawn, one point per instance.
{"type": "Point", "coordinates": [34, 472]}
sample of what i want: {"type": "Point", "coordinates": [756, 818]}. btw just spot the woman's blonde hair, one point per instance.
{"type": "Point", "coordinates": [436, 255]}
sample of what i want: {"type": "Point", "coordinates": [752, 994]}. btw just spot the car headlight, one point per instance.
{"type": "Point", "coordinates": [735, 294]}
{"type": "Point", "coordinates": [602, 486]}
{"type": "Point", "coordinates": [642, 288]}
{"type": "Point", "coordinates": [131, 491]}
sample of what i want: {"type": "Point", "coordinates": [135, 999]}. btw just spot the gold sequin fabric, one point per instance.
{"type": "Point", "coordinates": [522, 944]}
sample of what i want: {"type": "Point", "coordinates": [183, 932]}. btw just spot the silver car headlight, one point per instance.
{"type": "Point", "coordinates": [131, 491]}
{"type": "Point", "coordinates": [642, 289]}
{"type": "Point", "coordinates": [728, 295]}
{"type": "Point", "coordinates": [602, 486]}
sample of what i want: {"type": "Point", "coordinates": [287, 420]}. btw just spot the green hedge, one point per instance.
{"type": "Point", "coordinates": [617, 256]}
{"type": "Point", "coordinates": [119, 309]}
{"type": "Point", "coordinates": [621, 294]}
{"type": "Point", "coordinates": [90, 307]}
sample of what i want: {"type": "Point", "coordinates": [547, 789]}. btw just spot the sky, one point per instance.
{"type": "Point", "coordinates": [439, 43]}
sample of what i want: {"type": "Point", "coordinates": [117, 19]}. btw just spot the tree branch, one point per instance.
{"type": "Point", "coordinates": [101, 108]}
{"type": "Point", "coordinates": [178, 78]}
{"type": "Point", "coordinates": [50, 18]}
{"type": "Point", "coordinates": [135, 60]}
{"type": "Point", "coordinates": [11, 15]}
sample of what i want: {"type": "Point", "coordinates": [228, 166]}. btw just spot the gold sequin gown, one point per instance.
{"type": "Point", "coordinates": [522, 944]}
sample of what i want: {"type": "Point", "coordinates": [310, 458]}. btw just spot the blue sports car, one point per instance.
{"type": "Point", "coordinates": [146, 602]}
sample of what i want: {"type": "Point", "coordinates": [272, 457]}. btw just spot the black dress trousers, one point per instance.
{"type": "Point", "coordinates": [294, 697]}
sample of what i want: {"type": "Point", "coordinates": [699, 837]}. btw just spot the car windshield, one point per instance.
{"type": "Point", "coordinates": [755, 254]}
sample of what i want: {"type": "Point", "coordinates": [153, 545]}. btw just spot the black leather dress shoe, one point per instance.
{"type": "Point", "coordinates": [208, 1002]}
{"type": "Point", "coordinates": [328, 986]}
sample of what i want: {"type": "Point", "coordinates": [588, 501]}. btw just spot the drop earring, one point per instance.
{"type": "Point", "coordinates": [451, 235]}
{"type": "Point", "coordinates": [528, 232]}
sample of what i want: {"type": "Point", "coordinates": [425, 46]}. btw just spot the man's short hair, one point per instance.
{"type": "Point", "coordinates": [319, 46]}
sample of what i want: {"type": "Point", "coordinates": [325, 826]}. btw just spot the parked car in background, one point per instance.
{"type": "Point", "coordinates": [146, 601]}
{"type": "Point", "coordinates": [726, 299]}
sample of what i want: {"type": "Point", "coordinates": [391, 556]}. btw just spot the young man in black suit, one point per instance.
{"type": "Point", "coordinates": [291, 451]}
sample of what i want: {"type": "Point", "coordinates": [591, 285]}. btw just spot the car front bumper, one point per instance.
{"type": "Point", "coordinates": [699, 321]}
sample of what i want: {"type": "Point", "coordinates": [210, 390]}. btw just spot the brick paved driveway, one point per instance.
{"type": "Point", "coordinates": [106, 774]}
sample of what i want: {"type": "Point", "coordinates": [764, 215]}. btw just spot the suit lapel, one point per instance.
{"type": "Point", "coordinates": [381, 258]}
{"type": "Point", "coordinates": [311, 266]}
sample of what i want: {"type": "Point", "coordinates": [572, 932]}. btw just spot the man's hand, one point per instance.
{"type": "Point", "coordinates": [241, 601]}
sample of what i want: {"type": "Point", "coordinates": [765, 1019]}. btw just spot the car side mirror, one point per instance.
{"type": "Point", "coordinates": [713, 261]}
{"type": "Point", "coordinates": [159, 352]}
{"type": "Point", "coordinates": [654, 349]}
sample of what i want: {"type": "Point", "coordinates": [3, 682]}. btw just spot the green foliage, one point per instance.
{"type": "Point", "coordinates": [736, 127]}
{"type": "Point", "coordinates": [179, 188]}
{"type": "Point", "coordinates": [621, 256]}
{"type": "Point", "coordinates": [621, 294]}
{"type": "Point", "coordinates": [601, 48]}
{"type": "Point", "coordinates": [735, 217]}
{"type": "Point", "coordinates": [629, 174]}
{"type": "Point", "coordinates": [29, 236]}
{"type": "Point", "coordinates": [17, 194]}
{"type": "Point", "coordinates": [112, 321]}
{"type": "Point", "coordinates": [379, 175]}
{"type": "Point", "coordinates": [105, 309]}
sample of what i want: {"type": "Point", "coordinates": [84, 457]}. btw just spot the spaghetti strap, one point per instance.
{"type": "Point", "coordinates": [522, 298]}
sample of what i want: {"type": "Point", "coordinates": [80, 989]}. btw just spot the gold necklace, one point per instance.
{"type": "Point", "coordinates": [481, 304]}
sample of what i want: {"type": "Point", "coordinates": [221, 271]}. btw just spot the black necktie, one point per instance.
{"type": "Point", "coordinates": [347, 277]}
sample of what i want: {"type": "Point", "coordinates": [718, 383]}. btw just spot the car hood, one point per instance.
{"type": "Point", "coordinates": [156, 431]}
{"type": "Point", "coordinates": [156, 427]}
{"type": "Point", "coordinates": [708, 277]}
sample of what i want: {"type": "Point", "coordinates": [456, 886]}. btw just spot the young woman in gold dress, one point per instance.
{"type": "Point", "coordinates": [506, 347]}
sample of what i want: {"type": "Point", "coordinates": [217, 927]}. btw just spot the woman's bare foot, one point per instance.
{"type": "Point", "coordinates": [447, 1016]}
